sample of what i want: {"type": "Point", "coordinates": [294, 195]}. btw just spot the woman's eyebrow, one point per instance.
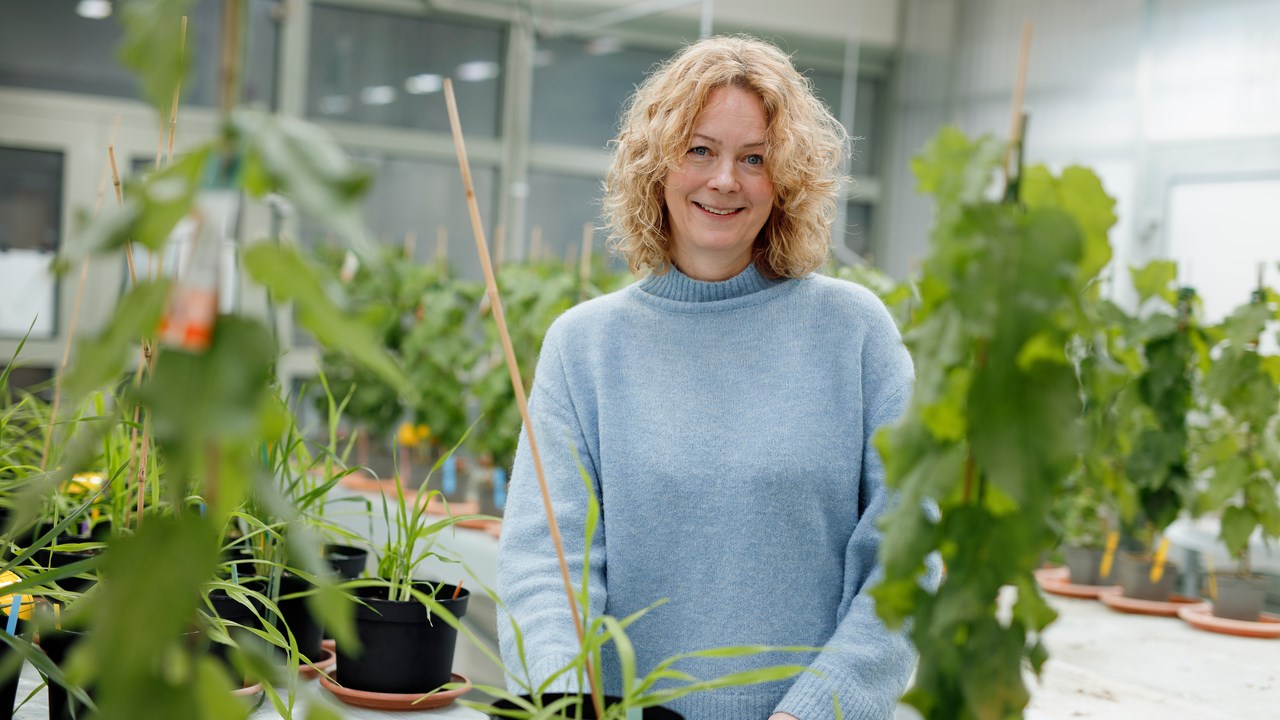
{"type": "Point", "coordinates": [714, 141]}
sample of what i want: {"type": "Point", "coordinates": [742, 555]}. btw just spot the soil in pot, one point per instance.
{"type": "Point", "coordinates": [588, 711]}
{"type": "Point", "coordinates": [1240, 597]}
{"type": "Point", "coordinates": [404, 649]}
{"type": "Point", "coordinates": [1085, 565]}
{"type": "Point", "coordinates": [1135, 577]}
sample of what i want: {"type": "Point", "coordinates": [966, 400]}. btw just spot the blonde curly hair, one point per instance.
{"type": "Point", "coordinates": [804, 147]}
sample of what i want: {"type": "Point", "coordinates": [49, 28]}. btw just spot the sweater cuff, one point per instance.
{"type": "Point", "coordinates": [812, 698]}
{"type": "Point", "coordinates": [543, 668]}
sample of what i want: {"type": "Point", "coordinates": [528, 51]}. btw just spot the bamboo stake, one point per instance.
{"type": "Point", "coordinates": [499, 246]}
{"type": "Point", "coordinates": [75, 306]}
{"type": "Point", "coordinates": [1019, 92]}
{"type": "Point", "coordinates": [584, 268]}
{"type": "Point", "coordinates": [457, 590]}
{"type": "Point", "coordinates": [570, 256]}
{"type": "Point", "coordinates": [128, 244]}
{"type": "Point", "coordinates": [410, 245]}
{"type": "Point", "coordinates": [513, 368]}
{"type": "Point", "coordinates": [442, 245]}
{"type": "Point", "coordinates": [177, 92]}
{"type": "Point", "coordinates": [535, 244]}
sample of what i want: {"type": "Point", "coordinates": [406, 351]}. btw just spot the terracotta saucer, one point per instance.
{"type": "Point", "coordinates": [1056, 581]}
{"type": "Point", "coordinates": [248, 691]}
{"type": "Point", "coordinates": [324, 664]}
{"type": "Point", "coordinates": [395, 701]}
{"type": "Point", "coordinates": [1114, 598]}
{"type": "Point", "coordinates": [1201, 617]}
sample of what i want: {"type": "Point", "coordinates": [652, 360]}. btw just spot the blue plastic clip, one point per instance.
{"type": "Point", "coordinates": [499, 487]}
{"type": "Point", "coordinates": [450, 478]}
{"type": "Point", "coordinates": [15, 609]}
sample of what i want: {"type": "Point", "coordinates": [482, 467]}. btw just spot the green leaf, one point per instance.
{"type": "Point", "coordinates": [1237, 525]}
{"type": "Point", "coordinates": [152, 207]}
{"type": "Point", "coordinates": [1079, 192]}
{"type": "Point", "coordinates": [102, 359]}
{"type": "Point", "coordinates": [304, 163]}
{"type": "Point", "coordinates": [290, 277]}
{"type": "Point", "coordinates": [152, 47]}
{"type": "Point", "coordinates": [1155, 280]}
{"type": "Point", "coordinates": [1043, 346]}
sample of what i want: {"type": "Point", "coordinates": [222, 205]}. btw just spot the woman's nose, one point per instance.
{"type": "Point", "coordinates": [724, 177]}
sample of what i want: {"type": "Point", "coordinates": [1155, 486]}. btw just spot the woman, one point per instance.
{"type": "Point", "coordinates": [722, 407]}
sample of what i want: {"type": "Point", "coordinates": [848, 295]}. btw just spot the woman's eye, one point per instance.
{"type": "Point", "coordinates": [755, 159]}
{"type": "Point", "coordinates": [700, 151]}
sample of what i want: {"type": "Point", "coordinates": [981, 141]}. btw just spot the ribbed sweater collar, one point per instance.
{"type": "Point", "coordinates": [680, 288]}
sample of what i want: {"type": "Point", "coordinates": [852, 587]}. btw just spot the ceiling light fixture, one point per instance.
{"type": "Point", "coordinates": [94, 9]}
{"type": "Point", "coordinates": [477, 70]}
{"type": "Point", "coordinates": [378, 95]}
{"type": "Point", "coordinates": [423, 84]}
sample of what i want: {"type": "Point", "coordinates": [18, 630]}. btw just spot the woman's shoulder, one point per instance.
{"type": "Point", "coordinates": [592, 317]}
{"type": "Point", "coordinates": [845, 297]}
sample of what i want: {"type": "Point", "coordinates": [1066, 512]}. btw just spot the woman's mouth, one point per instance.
{"type": "Point", "coordinates": [718, 212]}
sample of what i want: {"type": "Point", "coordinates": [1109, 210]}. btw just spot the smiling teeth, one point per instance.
{"type": "Point", "coordinates": [714, 211]}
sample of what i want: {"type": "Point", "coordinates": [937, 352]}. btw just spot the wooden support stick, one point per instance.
{"type": "Point", "coordinates": [499, 246]}
{"type": "Point", "coordinates": [410, 245]}
{"type": "Point", "coordinates": [442, 245]}
{"type": "Point", "coordinates": [75, 308]}
{"type": "Point", "coordinates": [513, 368]}
{"type": "Point", "coordinates": [177, 92]}
{"type": "Point", "coordinates": [457, 590]}
{"type": "Point", "coordinates": [1019, 92]}
{"type": "Point", "coordinates": [535, 244]}
{"type": "Point", "coordinates": [115, 180]}
{"type": "Point", "coordinates": [584, 267]}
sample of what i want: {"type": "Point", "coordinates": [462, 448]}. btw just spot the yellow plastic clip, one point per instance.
{"type": "Point", "coordinates": [1213, 578]}
{"type": "Point", "coordinates": [1109, 556]}
{"type": "Point", "coordinates": [1157, 567]}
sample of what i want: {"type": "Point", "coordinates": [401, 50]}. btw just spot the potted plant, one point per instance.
{"type": "Point", "coordinates": [1237, 449]}
{"type": "Point", "coordinates": [1158, 482]}
{"type": "Point", "coordinates": [403, 646]}
{"type": "Point", "coordinates": [993, 429]}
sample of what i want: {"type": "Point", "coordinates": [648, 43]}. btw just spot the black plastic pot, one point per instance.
{"type": "Point", "coordinates": [1240, 597]}
{"type": "Point", "coordinates": [1135, 576]}
{"type": "Point", "coordinates": [9, 685]}
{"type": "Point", "coordinates": [1084, 564]}
{"type": "Point", "coordinates": [346, 560]}
{"type": "Point", "coordinates": [57, 645]}
{"type": "Point", "coordinates": [588, 711]}
{"type": "Point", "coordinates": [404, 649]}
{"type": "Point", "coordinates": [232, 610]}
{"type": "Point", "coordinates": [306, 630]}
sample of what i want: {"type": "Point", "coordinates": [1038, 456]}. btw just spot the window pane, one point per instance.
{"type": "Point", "coordinates": [415, 203]}
{"type": "Point", "coordinates": [857, 228]}
{"type": "Point", "coordinates": [830, 87]}
{"type": "Point", "coordinates": [388, 69]}
{"type": "Point", "coordinates": [579, 89]}
{"type": "Point", "coordinates": [83, 59]}
{"type": "Point", "coordinates": [30, 378]}
{"type": "Point", "coordinates": [30, 228]}
{"type": "Point", "coordinates": [559, 205]}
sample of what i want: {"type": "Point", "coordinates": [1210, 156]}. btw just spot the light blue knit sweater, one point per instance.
{"type": "Point", "coordinates": [726, 428]}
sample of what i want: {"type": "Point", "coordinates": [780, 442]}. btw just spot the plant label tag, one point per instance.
{"type": "Point", "coordinates": [499, 487]}
{"type": "Point", "coordinates": [1109, 556]}
{"type": "Point", "coordinates": [450, 477]}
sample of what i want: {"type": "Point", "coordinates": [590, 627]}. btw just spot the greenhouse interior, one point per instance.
{"type": "Point", "coordinates": [719, 360]}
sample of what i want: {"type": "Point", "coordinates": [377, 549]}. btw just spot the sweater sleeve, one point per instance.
{"type": "Point", "coordinates": [864, 663]}
{"type": "Point", "coordinates": [529, 579]}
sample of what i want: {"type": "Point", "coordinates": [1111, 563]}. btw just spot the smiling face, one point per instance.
{"type": "Point", "coordinates": [720, 196]}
